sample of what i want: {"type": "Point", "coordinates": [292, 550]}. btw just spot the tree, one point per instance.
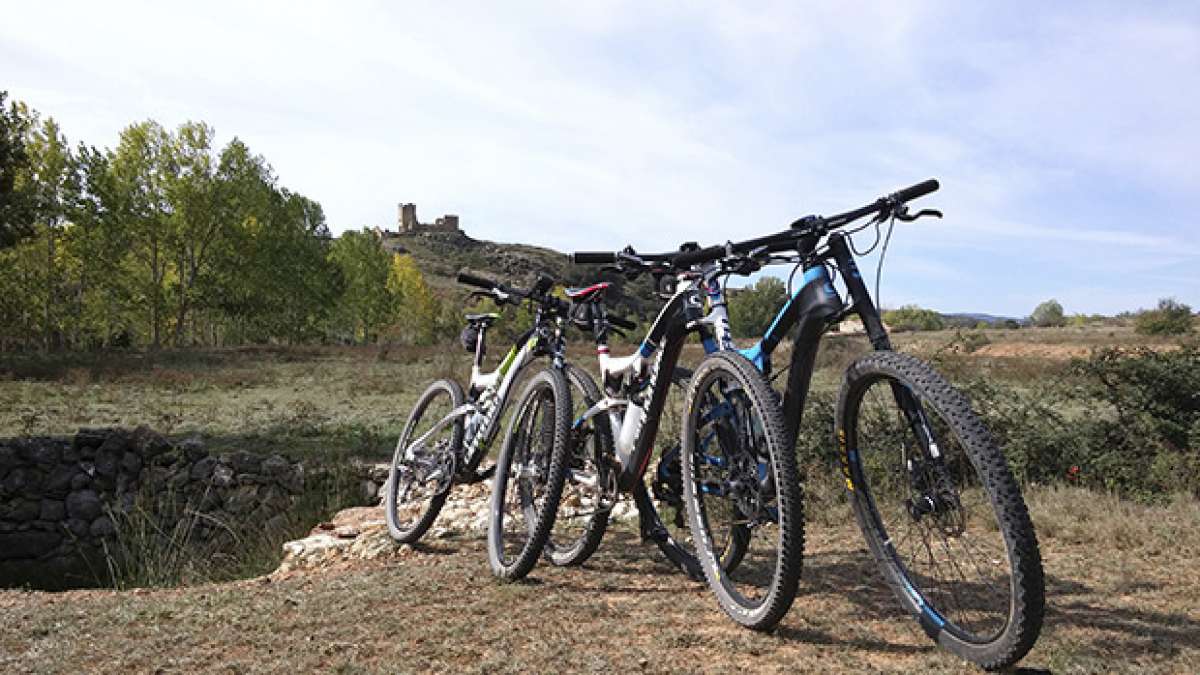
{"type": "Point", "coordinates": [363, 267]}
{"type": "Point", "coordinates": [415, 308]}
{"type": "Point", "coordinates": [912, 317]}
{"type": "Point", "coordinates": [752, 309]}
{"type": "Point", "coordinates": [141, 169]}
{"type": "Point", "coordinates": [1169, 318]}
{"type": "Point", "coordinates": [16, 122]}
{"type": "Point", "coordinates": [1047, 314]}
{"type": "Point", "coordinates": [51, 174]}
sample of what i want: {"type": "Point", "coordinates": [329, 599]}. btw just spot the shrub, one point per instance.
{"type": "Point", "coordinates": [911, 317]}
{"type": "Point", "coordinates": [1169, 318]}
{"type": "Point", "coordinates": [1047, 314]}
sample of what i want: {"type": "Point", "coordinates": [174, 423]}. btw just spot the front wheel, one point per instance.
{"type": "Point", "coordinates": [740, 484]}
{"type": "Point", "coordinates": [940, 509]}
{"type": "Point", "coordinates": [529, 476]}
{"type": "Point", "coordinates": [421, 473]}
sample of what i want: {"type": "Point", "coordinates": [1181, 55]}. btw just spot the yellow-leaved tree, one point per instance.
{"type": "Point", "coordinates": [416, 307]}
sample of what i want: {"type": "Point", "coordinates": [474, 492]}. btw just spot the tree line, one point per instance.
{"type": "Point", "coordinates": [168, 239]}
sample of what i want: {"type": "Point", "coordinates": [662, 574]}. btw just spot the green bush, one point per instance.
{"type": "Point", "coordinates": [911, 317]}
{"type": "Point", "coordinates": [1047, 314]}
{"type": "Point", "coordinates": [1169, 318]}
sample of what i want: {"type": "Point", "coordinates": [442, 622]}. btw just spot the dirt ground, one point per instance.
{"type": "Point", "coordinates": [1122, 590]}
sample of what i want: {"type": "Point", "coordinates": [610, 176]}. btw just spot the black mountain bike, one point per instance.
{"type": "Point", "coordinates": [754, 490]}
{"type": "Point", "coordinates": [932, 492]}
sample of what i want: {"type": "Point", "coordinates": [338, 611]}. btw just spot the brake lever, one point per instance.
{"type": "Point", "coordinates": [908, 218]}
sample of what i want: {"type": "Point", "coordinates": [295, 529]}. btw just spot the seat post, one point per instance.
{"type": "Point", "coordinates": [481, 344]}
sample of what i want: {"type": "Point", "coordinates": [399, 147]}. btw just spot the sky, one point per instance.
{"type": "Point", "coordinates": [1065, 135]}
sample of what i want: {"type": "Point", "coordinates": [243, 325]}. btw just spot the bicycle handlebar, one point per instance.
{"type": "Point", "coordinates": [478, 282]}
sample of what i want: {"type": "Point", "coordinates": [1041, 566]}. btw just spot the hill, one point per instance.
{"type": "Point", "coordinates": [442, 254]}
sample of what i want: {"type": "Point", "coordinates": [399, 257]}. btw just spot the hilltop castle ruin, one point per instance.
{"type": "Point", "coordinates": [407, 223]}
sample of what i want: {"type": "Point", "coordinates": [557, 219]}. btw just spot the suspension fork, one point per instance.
{"type": "Point", "coordinates": [864, 306]}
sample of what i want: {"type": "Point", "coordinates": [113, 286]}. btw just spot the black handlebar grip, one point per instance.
{"type": "Point", "coordinates": [621, 323]}
{"type": "Point", "coordinates": [690, 258]}
{"type": "Point", "coordinates": [593, 258]}
{"type": "Point", "coordinates": [472, 280]}
{"type": "Point", "coordinates": [919, 190]}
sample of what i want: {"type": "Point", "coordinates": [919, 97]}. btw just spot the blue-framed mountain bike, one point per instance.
{"type": "Point", "coordinates": [931, 490]}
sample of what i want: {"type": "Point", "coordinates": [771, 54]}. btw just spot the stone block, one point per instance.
{"type": "Point", "coordinates": [52, 509]}
{"type": "Point", "coordinates": [84, 504]}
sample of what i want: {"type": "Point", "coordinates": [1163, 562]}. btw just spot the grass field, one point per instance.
{"type": "Point", "coordinates": [1123, 580]}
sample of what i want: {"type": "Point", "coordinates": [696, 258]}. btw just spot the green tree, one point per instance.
{"type": "Point", "coordinates": [1171, 317]}
{"type": "Point", "coordinates": [752, 309]}
{"type": "Point", "coordinates": [362, 264]}
{"type": "Point", "coordinates": [141, 171]}
{"type": "Point", "coordinates": [912, 317]}
{"type": "Point", "coordinates": [1048, 314]}
{"type": "Point", "coordinates": [16, 122]}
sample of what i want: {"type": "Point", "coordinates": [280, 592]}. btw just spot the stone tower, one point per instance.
{"type": "Point", "coordinates": [408, 218]}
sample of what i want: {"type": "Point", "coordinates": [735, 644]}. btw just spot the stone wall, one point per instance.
{"type": "Point", "coordinates": [62, 499]}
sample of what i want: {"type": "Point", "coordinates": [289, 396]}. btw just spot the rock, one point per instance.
{"type": "Point", "coordinates": [21, 510]}
{"type": "Point", "coordinates": [202, 469]}
{"type": "Point", "coordinates": [193, 448]}
{"type": "Point", "coordinates": [70, 455]}
{"type": "Point", "coordinates": [243, 500]}
{"type": "Point", "coordinates": [22, 479]}
{"type": "Point", "coordinates": [149, 443]}
{"type": "Point", "coordinates": [242, 461]}
{"type": "Point", "coordinates": [42, 451]}
{"type": "Point", "coordinates": [103, 527]}
{"type": "Point", "coordinates": [52, 509]}
{"type": "Point", "coordinates": [31, 544]}
{"type": "Point", "coordinates": [107, 461]}
{"type": "Point", "coordinates": [88, 438]}
{"type": "Point", "coordinates": [131, 463]}
{"type": "Point", "coordinates": [222, 476]}
{"type": "Point", "coordinates": [275, 466]}
{"type": "Point", "coordinates": [9, 526]}
{"type": "Point", "coordinates": [58, 483]}
{"type": "Point", "coordinates": [166, 459]}
{"type": "Point", "coordinates": [80, 481]}
{"type": "Point", "coordinates": [368, 490]}
{"type": "Point", "coordinates": [84, 504]}
{"type": "Point", "coordinates": [8, 459]}
{"type": "Point", "coordinates": [77, 527]}
{"type": "Point", "coordinates": [293, 482]}
{"type": "Point", "coordinates": [115, 443]}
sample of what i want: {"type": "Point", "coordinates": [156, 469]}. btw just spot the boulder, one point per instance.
{"type": "Point", "coordinates": [84, 504]}
{"type": "Point", "coordinates": [52, 510]}
{"type": "Point", "coordinates": [149, 443]}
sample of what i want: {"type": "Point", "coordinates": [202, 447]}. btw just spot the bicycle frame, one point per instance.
{"type": "Point", "coordinates": [682, 314]}
{"type": "Point", "coordinates": [814, 307]}
{"type": "Point", "coordinates": [492, 389]}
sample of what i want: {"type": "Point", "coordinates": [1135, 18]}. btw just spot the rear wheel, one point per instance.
{"type": "Point", "coordinates": [940, 509]}
{"type": "Point", "coordinates": [529, 476]}
{"type": "Point", "coordinates": [421, 475]}
{"type": "Point", "coordinates": [741, 489]}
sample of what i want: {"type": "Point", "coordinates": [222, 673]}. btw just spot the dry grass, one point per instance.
{"type": "Point", "coordinates": [1128, 607]}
